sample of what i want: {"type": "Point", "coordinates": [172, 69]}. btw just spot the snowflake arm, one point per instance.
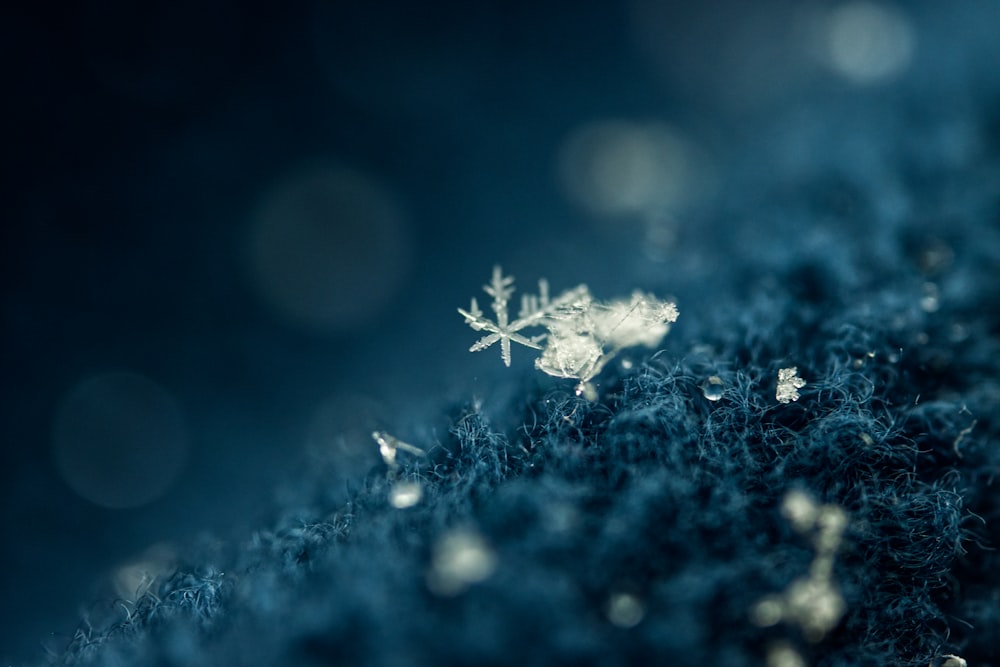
{"type": "Point", "coordinates": [500, 288]}
{"type": "Point", "coordinates": [534, 309]}
{"type": "Point", "coordinates": [505, 336]}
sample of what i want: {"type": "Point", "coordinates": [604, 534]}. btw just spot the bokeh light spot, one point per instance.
{"type": "Point", "coordinates": [119, 440]}
{"type": "Point", "coordinates": [328, 248]}
{"type": "Point", "coordinates": [868, 43]}
{"type": "Point", "coordinates": [625, 610]}
{"type": "Point", "coordinates": [461, 558]}
{"type": "Point", "coordinates": [620, 169]}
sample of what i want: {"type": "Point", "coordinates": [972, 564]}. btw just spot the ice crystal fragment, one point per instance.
{"type": "Point", "coordinates": [642, 320]}
{"type": "Point", "coordinates": [581, 335]}
{"type": "Point", "coordinates": [389, 446]}
{"type": "Point", "coordinates": [571, 355]}
{"type": "Point", "coordinates": [788, 385]}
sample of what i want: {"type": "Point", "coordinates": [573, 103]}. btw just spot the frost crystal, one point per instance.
{"type": "Point", "coordinates": [389, 445]}
{"type": "Point", "coordinates": [788, 385]}
{"type": "Point", "coordinates": [582, 335]}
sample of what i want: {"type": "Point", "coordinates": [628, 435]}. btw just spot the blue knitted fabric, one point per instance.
{"type": "Point", "coordinates": [658, 491]}
{"type": "Point", "coordinates": [854, 236]}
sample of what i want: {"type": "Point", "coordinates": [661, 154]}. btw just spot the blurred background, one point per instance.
{"type": "Point", "coordinates": [235, 234]}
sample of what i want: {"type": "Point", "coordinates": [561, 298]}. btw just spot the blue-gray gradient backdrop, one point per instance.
{"type": "Point", "coordinates": [234, 234]}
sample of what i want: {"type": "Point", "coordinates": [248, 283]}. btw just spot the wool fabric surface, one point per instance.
{"type": "Point", "coordinates": [704, 508]}
{"type": "Point", "coordinates": [648, 525]}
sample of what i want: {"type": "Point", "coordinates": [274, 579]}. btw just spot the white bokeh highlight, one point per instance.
{"type": "Point", "coordinates": [119, 440]}
{"type": "Point", "coordinates": [328, 248]}
{"type": "Point", "coordinates": [621, 169]}
{"type": "Point", "coordinates": [461, 558]}
{"type": "Point", "coordinates": [867, 43]}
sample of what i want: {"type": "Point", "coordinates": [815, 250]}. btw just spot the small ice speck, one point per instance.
{"type": "Point", "coordinates": [405, 494]}
{"type": "Point", "coordinates": [789, 384]}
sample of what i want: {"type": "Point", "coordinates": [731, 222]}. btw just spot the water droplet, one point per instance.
{"type": "Point", "coordinates": [712, 388]}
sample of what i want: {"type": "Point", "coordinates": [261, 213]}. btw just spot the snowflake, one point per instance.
{"type": "Point", "coordinates": [788, 385]}
{"type": "Point", "coordinates": [581, 336]}
{"type": "Point", "coordinates": [533, 310]}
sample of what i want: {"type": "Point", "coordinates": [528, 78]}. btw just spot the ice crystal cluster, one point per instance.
{"type": "Point", "coordinates": [580, 334]}
{"type": "Point", "coordinates": [789, 384]}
